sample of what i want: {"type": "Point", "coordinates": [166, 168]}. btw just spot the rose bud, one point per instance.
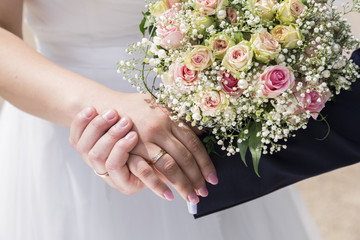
{"type": "Point", "coordinates": [287, 36]}
{"type": "Point", "coordinates": [265, 46]}
{"type": "Point", "coordinates": [203, 22]}
{"type": "Point", "coordinates": [290, 10]}
{"type": "Point", "coordinates": [219, 44]}
{"type": "Point", "coordinates": [232, 15]}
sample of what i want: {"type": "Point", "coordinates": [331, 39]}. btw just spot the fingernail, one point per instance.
{"type": "Point", "coordinates": [123, 122]}
{"type": "Point", "coordinates": [193, 198]}
{"type": "Point", "coordinates": [87, 112]}
{"type": "Point", "coordinates": [130, 135]}
{"type": "Point", "coordinates": [109, 115]}
{"type": "Point", "coordinates": [213, 179]}
{"type": "Point", "coordinates": [169, 195]}
{"type": "Point", "coordinates": [203, 192]}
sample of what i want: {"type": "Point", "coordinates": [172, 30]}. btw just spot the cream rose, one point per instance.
{"type": "Point", "coordinates": [290, 10]}
{"type": "Point", "coordinates": [158, 8]}
{"type": "Point", "coordinates": [265, 46]}
{"type": "Point", "coordinates": [212, 102]}
{"type": "Point", "coordinates": [219, 44]}
{"type": "Point", "coordinates": [199, 58]}
{"type": "Point", "coordinates": [238, 58]}
{"type": "Point", "coordinates": [287, 36]}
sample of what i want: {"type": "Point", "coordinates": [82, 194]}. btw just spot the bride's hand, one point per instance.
{"type": "Point", "coordinates": [104, 142]}
{"type": "Point", "coordinates": [186, 165]}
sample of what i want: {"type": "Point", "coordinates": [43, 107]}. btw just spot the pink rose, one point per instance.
{"type": "Point", "coordinates": [179, 77]}
{"type": "Point", "coordinates": [186, 74]}
{"type": "Point", "coordinates": [229, 85]}
{"type": "Point", "coordinates": [209, 6]}
{"type": "Point", "coordinates": [276, 80]}
{"type": "Point", "coordinates": [313, 102]}
{"type": "Point", "coordinates": [169, 31]}
{"type": "Point", "coordinates": [232, 15]}
{"type": "Point", "coordinates": [212, 102]}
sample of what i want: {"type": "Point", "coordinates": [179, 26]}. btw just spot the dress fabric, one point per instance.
{"type": "Point", "coordinates": [49, 193]}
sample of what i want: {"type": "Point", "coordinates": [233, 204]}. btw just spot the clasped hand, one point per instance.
{"type": "Point", "coordinates": [125, 146]}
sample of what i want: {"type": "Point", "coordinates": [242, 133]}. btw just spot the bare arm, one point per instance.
{"type": "Point", "coordinates": [37, 86]}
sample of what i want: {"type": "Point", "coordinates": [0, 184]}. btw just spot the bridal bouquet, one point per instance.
{"type": "Point", "coordinates": [249, 72]}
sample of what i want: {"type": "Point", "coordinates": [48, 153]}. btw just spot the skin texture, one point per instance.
{"type": "Point", "coordinates": [24, 82]}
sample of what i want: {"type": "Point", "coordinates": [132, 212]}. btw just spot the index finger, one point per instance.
{"type": "Point", "coordinates": [191, 141]}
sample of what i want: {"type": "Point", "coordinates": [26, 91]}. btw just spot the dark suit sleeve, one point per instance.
{"type": "Point", "coordinates": [305, 156]}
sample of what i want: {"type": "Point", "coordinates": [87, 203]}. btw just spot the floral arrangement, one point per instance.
{"type": "Point", "coordinates": [249, 72]}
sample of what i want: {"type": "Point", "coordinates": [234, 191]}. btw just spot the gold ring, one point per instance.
{"type": "Point", "coordinates": [158, 156]}
{"type": "Point", "coordinates": [102, 175]}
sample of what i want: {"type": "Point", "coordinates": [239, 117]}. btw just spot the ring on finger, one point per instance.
{"type": "Point", "coordinates": [102, 175]}
{"type": "Point", "coordinates": [158, 156]}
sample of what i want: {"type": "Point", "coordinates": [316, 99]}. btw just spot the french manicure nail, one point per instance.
{"type": "Point", "coordinates": [123, 122]}
{"type": "Point", "coordinates": [169, 195]}
{"type": "Point", "coordinates": [87, 112]}
{"type": "Point", "coordinates": [109, 115]}
{"type": "Point", "coordinates": [213, 179]}
{"type": "Point", "coordinates": [203, 192]}
{"type": "Point", "coordinates": [193, 198]}
{"type": "Point", "coordinates": [130, 135]}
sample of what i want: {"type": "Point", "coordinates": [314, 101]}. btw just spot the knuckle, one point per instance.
{"type": "Point", "coordinates": [98, 123]}
{"type": "Point", "coordinates": [94, 156]}
{"type": "Point", "coordinates": [153, 127]}
{"type": "Point", "coordinates": [156, 185]}
{"type": "Point", "coordinates": [112, 166]}
{"type": "Point", "coordinates": [170, 167]}
{"type": "Point", "coordinates": [145, 172]}
{"type": "Point", "coordinates": [195, 145]}
{"type": "Point", "coordinates": [188, 160]}
{"type": "Point", "coordinates": [114, 134]}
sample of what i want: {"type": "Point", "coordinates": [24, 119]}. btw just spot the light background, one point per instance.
{"type": "Point", "coordinates": [333, 198]}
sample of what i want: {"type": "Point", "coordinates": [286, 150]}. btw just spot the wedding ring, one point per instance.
{"type": "Point", "coordinates": [158, 156]}
{"type": "Point", "coordinates": [102, 175]}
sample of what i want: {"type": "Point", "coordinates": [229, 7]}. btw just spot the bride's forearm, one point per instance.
{"type": "Point", "coordinates": [36, 85]}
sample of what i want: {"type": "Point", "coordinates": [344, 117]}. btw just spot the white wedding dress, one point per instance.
{"type": "Point", "coordinates": [49, 193]}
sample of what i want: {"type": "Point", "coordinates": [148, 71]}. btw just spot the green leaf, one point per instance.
{"type": "Point", "coordinates": [142, 26]}
{"type": "Point", "coordinates": [243, 147]}
{"type": "Point", "coordinates": [147, 22]}
{"type": "Point", "coordinates": [255, 145]}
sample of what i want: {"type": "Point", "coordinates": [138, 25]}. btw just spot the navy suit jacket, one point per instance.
{"type": "Point", "coordinates": [305, 156]}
